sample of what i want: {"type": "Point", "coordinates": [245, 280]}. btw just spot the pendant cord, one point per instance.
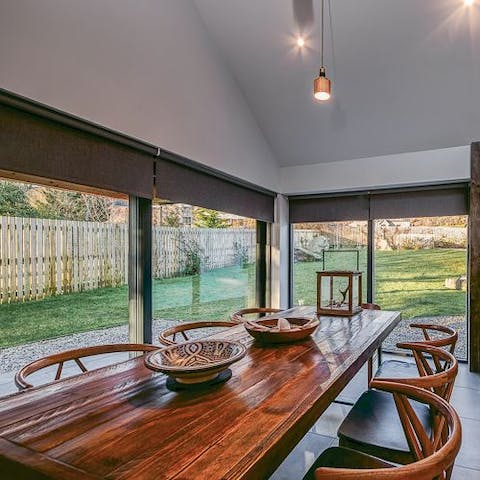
{"type": "Point", "coordinates": [323, 23]}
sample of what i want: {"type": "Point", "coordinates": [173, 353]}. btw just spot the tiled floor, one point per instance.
{"type": "Point", "coordinates": [466, 399]}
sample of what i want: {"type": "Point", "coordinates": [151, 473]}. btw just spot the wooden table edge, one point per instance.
{"type": "Point", "coordinates": [19, 461]}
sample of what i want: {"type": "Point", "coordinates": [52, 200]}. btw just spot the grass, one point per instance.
{"type": "Point", "coordinates": [409, 280]}
{"type": "Point", "coordinates": [213, 295]}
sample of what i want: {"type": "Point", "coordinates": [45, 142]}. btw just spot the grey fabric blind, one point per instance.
{"type": "Point", "coordinates": [182, 183]}
{"type": "Point", "coordinates": [402, 203]}
{"type": "Point", "coordinates": [421, 203]}
{"type": "Point", "coordinates": [329, 209]}
{"type": "Point", "coordinates": [38, 141]}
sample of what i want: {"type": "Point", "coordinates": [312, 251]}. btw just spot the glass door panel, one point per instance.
{"type": "Point", "coordinates": [326, 246]}
{"type": "Point", "coordinates": [203, 264]}
{"type": "Point", "coordinates": [63, 276]}
{"type": "Point", "coordinates": [421, 270]}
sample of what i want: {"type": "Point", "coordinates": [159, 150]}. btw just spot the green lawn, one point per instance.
{"type": "Point", "coordinates": [213, 295]}
{"type": "Point", "coordinates": [411, 281]}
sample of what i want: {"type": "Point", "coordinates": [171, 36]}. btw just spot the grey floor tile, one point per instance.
{"type": "Point", "coordinates": [330, 420]}
{"type": "Point", "coordinates": [461, 473]}
{"type": "Point", "coordinates": [466, 401]}
{"type": "Point", "coordinates": [302, 457]}
{"type": "Point", "coordinates": [358, 384]}
{"type": "Point", "coordinates": [465, 378]}
{"type": "Point", "coordinates": [469, 453]}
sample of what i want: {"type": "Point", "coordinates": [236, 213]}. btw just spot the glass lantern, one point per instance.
{"type": "Point", "coordinates": [339, 293]}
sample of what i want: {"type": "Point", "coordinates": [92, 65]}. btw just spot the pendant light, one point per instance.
{"type": "Point", "coordinates": [321, 85]}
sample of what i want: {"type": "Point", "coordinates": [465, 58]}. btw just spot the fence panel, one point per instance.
{"type": "Point", "coordinates": [40, 257]}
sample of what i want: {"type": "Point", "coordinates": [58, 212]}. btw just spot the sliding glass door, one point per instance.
{"type": "Point", "coordinates": [410, 243]}
{"type": "Point", "coordinates": [63, 274]}
{"type": "Point", "coordinates": [203, 264]}
{"type": "Point", "coordinates": [326, 246]}
{"type": "Point", "coordinates": [421, 270]}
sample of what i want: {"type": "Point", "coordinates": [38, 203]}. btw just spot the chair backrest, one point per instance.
{"type": "Point", "coordinates": [370, 306]}
{"type": "Point", "coordinates": [239, 316]}
{"type": "Point", "coordinates": [76, 356]}
{"type": "Point", "coordinates": [183, 328]}
{"type": "Point", "coordinates": [435, 453]}
{"type": "Point", "coordinates": [437, 369]}
{"type": "Point", "coordinates": [448, 340]}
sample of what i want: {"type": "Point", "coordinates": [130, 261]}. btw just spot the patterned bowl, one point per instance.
{"type": "Point", "coordinates": [267, 330]}
{"type": "Point", "coordinates": [195, 362]}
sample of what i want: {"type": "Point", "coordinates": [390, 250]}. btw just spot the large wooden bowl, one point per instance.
{"type": "Point", "coordinates": [265, 330]}
{"type": "Point", "coordinates": [195, 362]}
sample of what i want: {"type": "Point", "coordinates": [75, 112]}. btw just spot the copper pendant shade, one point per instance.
{"type": "Point", "coordinates": [322, 84]}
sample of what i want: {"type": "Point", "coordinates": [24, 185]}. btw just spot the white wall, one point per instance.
{"type": "Point", "coordinates": [143, 67]}
{"type": "Point", "coordinates": [431, 166]}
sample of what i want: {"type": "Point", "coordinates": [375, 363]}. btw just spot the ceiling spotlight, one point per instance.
{"type": "Point", "coordinates": [468, 3]}
{"type": "Point", "coordinates": [300, 42]}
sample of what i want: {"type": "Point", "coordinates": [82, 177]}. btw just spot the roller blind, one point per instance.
{"type": "Point", "coordinates": [179, 181]}
{"type": "Point", "coordinates": [329, 209]}
{"type": "Point", "coordinates": [401, 203]}
{"type": "Point", "coordinates": [421, 203]}
{"type": "Point", "coordinates": [39, 141]}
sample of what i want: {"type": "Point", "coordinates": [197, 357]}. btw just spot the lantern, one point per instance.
{"type": "Point", "coordinates": [339, 293]}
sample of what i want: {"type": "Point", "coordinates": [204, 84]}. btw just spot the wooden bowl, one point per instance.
{"type": "Point", "coordinates": [195, 362]}
{"type": "Point", "coordinates": [265, 330]}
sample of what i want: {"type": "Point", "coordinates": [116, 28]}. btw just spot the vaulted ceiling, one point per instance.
{"type": "Point", "coordinates": [405, 73]}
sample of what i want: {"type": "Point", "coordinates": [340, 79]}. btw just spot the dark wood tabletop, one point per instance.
{"type": "Point", "coordinates": [121, 422]}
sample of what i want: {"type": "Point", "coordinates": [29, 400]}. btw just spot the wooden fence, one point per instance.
{"type": "Point", "coordinates": [218, 247]}
{"type": "Point", "coordinates": [39, 258]}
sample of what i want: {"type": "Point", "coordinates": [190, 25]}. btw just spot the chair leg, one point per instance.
{"type": "Point", "coordinates": [370, 364]}
{"type": "Point", "coordinates": [370, 370]}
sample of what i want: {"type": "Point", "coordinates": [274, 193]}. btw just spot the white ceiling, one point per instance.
{"type": "Point", "coordinates": [405, 73]}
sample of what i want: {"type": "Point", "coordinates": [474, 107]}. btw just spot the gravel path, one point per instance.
{"type": "Point", "coordinates": [13, 358]}
{"type": "Point", "coordinates": [403, 331]}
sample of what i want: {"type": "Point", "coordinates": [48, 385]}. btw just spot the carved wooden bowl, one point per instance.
{"type": "Point", "coordinates": [267, 331]}
{"type": "Point", "coordinates": [195, 362]}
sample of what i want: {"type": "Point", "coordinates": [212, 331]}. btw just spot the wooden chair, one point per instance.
{"type": "Point", "coordinates": [76, 356]}
{"type": "Point", "coordinates": [434, 451]}
{"type": "Point", "coordinates": [401, 368]}
{"type": "Point", "coordinates": [183, 328]}
{"type": "Point", "coordinates": [239, 316]}
{"type": "Point", "coordinates": [373, 426]}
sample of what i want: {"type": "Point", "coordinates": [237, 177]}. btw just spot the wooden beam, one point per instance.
{"type": "Point", "coordinates": [474, 259]}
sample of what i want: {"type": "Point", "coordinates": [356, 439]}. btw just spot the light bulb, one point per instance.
{"type": "Point", "coordinates": [322, 96]}
{"type": "Point", "coordinates": [300, 42]}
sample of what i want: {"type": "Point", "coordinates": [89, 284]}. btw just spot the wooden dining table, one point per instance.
{"type": "Point", "coordinates": [121, 421]}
